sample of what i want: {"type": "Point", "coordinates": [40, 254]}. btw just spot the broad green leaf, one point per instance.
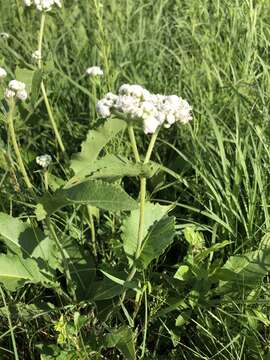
{"type": "Point", "coordinates": [123, 339]}
{"type": "Point", "coordinates": [92, 192]}
{"type": "Point", "coordinates": [27, 241]}
{"type": "Point", "coordinates": [26, 76]}
{"type": "Point", "coordinates": [95, 142]}
{"type": "Point", "coordinates": [15, 272]}
{"type": "Point", "coordinates": [114, 167]}
{"type": "Point", "coordinates": [160, 236]}
{"type": "Point", "coordinates": [182, 273]}
{"type": "Point", "coordinates": [153, 213]}
{"type": "Point", "coordinates": [35, 86]}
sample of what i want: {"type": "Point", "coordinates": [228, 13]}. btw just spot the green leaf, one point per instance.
{"type": "Point", "coordinates": [15, 272]}
{"type": "Point", "coordinates": [95, 142]}
{"type": "Point", "coordinates": [160, 236]}
{"type": "Point", "coordinates": [114, 167]}
{"type": "Point", "coordinates": [105, 289]}
{"type": "Point", "coordinates": [123, 339]}
{"type": "Point", "coordinates": [194, 238]}
{"type": "Point", "coordinates": [35, 86]}
{"type": "Point", "coordinates": [153, 213]}
{"type": "Point", "coordinates": [247, 270]}
{"type": "Point", "coordinates": [92, 192]}
{"type": "Point", "coordinates": [27, 241]}
{"type": "Point", "coordinates": [26, 76]}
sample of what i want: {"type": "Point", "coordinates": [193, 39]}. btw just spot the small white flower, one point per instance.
{"type": "Point", "coordinates": [22, 95]}
{"type": "Point", "coordinates": [102, 109]}
{"type": "Point", "coordinates": [150, 125]}
{"type": "Point", "coordinates": [4, 35]}
{"type": "Point", "coordinates": [27, 2]}
{"type": "Point", "coordinates": [16, 85]}
{"type": "Point", "coordinates": [44, 160]}
{"type": "Point", "coordinates": [94, 71]}
{"type": "Point", "coordinates": [9, 94]}
{"type": "Point", "coordinates": [36, 55]}
{"type": "Point", "coordinates": [43, 5]}
{"type": "Point", "coordinates": [3, 73]}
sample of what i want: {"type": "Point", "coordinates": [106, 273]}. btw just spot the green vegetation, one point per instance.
{"type": "Point", "coordinates": [76, 279]}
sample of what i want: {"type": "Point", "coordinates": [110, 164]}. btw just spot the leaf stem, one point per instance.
{"type": "Point", "coordinates": [43, 89]}
{"type": "Point", "coordinates": [15, 144]}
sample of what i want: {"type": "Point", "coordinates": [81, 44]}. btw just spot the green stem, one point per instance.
{"type": "Point", "coordinates": [10, 325]}
{"type": "Point", "coordinates": [15, 144]}
{"type": "Point", "coordinates": [145, 323]}
{"type": "Point", "coordinates": [142, 212]}
{"type": "Point", "coordinates": [93, 233]}
{"type": "Point", "coordinates": [46, 182]}
{"type": "Point", "coordinates": [43, 89]}
{"type": "Point", "coordinates": [63, 255]}
{"type": "Point", "coordinates": [133, 143]}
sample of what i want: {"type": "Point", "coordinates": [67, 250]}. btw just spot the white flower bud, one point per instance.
{"type": "Point", "coordinates": [94, 71]}
{"type": "Point", "coordinates": [150, 125]}
{"type": "Point", "coordinates": [27, 2]}
{"type": "Point", "coordinates": [16, 85]}
{"type": "Point", "coordinates": [44, 160]}
{"type": "Point", "coordinates": [102, 109]}
{"type": "Point", "coordinates": [22, 95]}
{"type": "Point", "coordinates": [4, 35]}
{"type": "Point", "coordinates": [3, 73]}
{"type": "Point", "coordinates": [9, 94]}
{"type": "Point", "coordinates": [36, 55]}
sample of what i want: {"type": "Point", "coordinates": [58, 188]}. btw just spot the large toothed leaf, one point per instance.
{"type": "Point", "coordinates": [92, 192]}
{"type": "Point", "coordinates": [152, 214]}
{"type": "Point", "coordinates": [112, 167]}
{"type": "Point", "coordinates": [160, 236]}
{"type": "Point", "coordinates": [15, 272]}
{"type": "Point", "coordinates": [95, 142]}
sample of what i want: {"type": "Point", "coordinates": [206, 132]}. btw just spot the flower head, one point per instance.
{"type": "Point", "coordinates": [135, 103]}
{"type": "Point", "coordinates": [4, 35]}
{"type": "Point", "coordinates": [3, 73]}
{"type": "Point", "coordinates": [44, 160]}
{"type": "Point", "coordinates": [16, 89]}
{"type": "Point", "coordinates": [43, 5]}
{"type": "Point", "coordinates": [94, 71]}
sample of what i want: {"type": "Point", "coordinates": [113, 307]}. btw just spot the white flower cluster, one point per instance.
{"type": "Point", "coordinates": [16, 88]}
{"type": "Point", "coordinates": [36, 55]}
{"type": "Point", "coordinates": [44, 160]}
{"type": "Point", "coordinates": [3, 73]}
{"type": "Point", "coordinates": [154, 110]}
{"type": "Point", "coordinates": [94, 71]}
{"type": "Point", "coordinates": [43, 5]}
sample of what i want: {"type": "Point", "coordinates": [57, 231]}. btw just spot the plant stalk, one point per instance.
{"type": "Point", "coordinates": [142, 211]}
{"type": "Point", "coordinates": [43, 89]}
{"type": "Point", "coordinates": [133, 143]}
{"type": "Point", "coordinates": [15, 144]}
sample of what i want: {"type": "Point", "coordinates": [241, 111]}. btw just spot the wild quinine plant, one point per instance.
{"type": "Point", "coordinates": [133, 231]}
